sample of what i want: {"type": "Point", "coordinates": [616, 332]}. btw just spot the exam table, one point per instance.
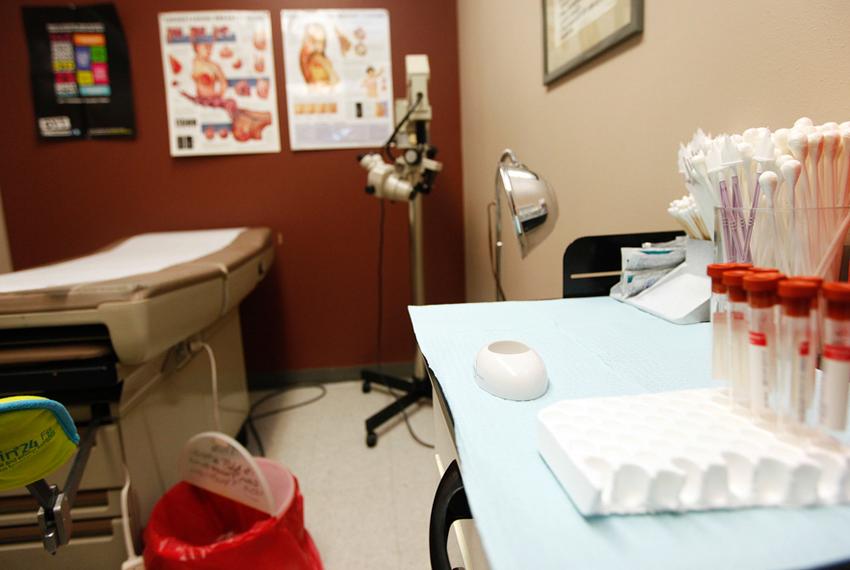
{"type": "Point", "coordinates": [132, 337]}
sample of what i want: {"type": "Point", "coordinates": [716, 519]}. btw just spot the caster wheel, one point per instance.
{"type": "Point", "coordinates": [367, 387]}
{"type": "Point", "coordinates": [371, 439]}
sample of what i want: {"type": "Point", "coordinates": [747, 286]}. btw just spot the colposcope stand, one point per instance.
{"type": "Point", "coordinates": [406, 178]}
{"type": "Point", "coordinates": [417, 387]}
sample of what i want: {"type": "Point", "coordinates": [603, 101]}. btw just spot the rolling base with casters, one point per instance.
{"type": "Point", "coordinates": [412, 390]}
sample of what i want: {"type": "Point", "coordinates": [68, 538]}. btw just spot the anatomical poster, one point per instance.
{"type": "Point", "coordinates": [80, 72]}
{"type": "Point", "coordinates": [219, 82]}
{"type": "Point", "coordinates": [339, 80]}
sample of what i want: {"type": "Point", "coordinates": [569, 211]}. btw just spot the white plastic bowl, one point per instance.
{"type": "Point", "coordinates": [511, 370]}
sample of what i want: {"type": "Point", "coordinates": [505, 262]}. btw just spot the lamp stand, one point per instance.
{"type": "Point", "coordinates": [498, 246]}
{"type": "Point", "coordinates": [500, 296]}
{"type": "Point", "coordinates": [418, 386]}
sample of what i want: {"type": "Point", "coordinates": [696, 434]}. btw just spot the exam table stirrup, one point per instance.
{"type": "Point", "coordinates": [54, 513]}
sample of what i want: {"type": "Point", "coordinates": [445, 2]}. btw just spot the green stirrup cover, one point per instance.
{"type": "Point", "coordinates": [37, 436]}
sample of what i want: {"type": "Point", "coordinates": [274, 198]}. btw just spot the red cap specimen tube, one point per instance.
{"type": "Point", "coordinates": [832, 412]}
{"type": "Point", "coordinates": [817, 314]}
{"type": "Point", "coordinates": [719, 310]}
{"type": "Point", "coordinates": [796, 372]}
{"type": "Point", "coordinates": [762, 299]}
{"type": "Point", "coordinates": [737, 335]}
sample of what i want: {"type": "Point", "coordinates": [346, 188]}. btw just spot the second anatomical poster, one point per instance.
{"type": "Point", "coordinates": [219, 82]}
{"type": "Point", "coordinates": [339, 90]}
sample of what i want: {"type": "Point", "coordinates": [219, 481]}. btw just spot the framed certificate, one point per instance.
{"type": "Point", "coordinates": [576, 31]}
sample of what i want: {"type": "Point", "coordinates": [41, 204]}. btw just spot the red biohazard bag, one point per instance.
{"type": "Point", "coordinates": [191, 528]}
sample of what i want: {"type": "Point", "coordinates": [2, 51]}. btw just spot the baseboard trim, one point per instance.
{"type": "Point", "coordinates": [311, 375]}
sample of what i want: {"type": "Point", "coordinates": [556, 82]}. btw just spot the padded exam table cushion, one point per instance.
{"type": "Point", "coordinates": [151, 290]}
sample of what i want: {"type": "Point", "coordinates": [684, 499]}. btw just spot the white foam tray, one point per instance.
{"type": "Point", "coordinates": [681, 451]}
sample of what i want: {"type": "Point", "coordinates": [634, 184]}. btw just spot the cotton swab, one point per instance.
{"type": "Point", "coordinates": [731, 162]}
{"type": "Point", "coordinates": [843, 164]}
{"type": "Point", "coordinates": [685, 212]}
{"type": "Point", "coordinates": [780, 139]}
{"type": "Point", "coordinates": [832, 249]}
{"type": "Point", "coordinates": [762, 155]}
{"type": "Point", "coordinates": [798, 144]}
{"type": "Point", "coordinates": [814, 142]}
{"type": "Point", "coordinates": [800, 221]}
{"type": "Point", "coordinates": [696, 181]}
{"type": "Point", "coordinates": [745, 152]}
{"type": "Point", "coordinates": [768, 182]}
{"type": "Point", "coordinates": [792, 171]}
{"type": "Point", "coordinates": [715, 173]}
{"type": "Point", "coordinates": [812, 161]}
{"type": "Point", "coordinates": [804, 124]}
{"type": "Point", "coordinates": [831, 140]}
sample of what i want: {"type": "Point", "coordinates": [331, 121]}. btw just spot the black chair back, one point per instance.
{"type": "Point", "coordinates": [592, 264]}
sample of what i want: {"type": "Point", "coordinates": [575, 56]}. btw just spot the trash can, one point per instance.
{"type": "Point", "coordinates": [191, 528]}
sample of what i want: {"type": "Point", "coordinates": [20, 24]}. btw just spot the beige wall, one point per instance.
{"type": "Point", "coordinates": [606, 136]}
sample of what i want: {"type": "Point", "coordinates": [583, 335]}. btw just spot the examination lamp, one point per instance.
{"type": "Point", "coordinates": [532, 206]}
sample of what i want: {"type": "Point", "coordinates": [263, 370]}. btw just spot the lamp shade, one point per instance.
{"type": "Point", "coordinates": [530, 201]}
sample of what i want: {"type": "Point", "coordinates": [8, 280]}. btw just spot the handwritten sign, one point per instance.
{"type": "Point", "coordinates": [218, 463]}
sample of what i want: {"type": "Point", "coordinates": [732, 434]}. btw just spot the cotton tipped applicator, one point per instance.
{"type": "Point", "coordinates": [843, 165]}
{"type": "Point", "coordinates": [745, 152]}
{"type": "Point", "coordinates": [798, 144]}
{"type": "Point", "coordinates": [792, 172]}
{"type": "Point", "coordinates": [780, 139]}
{"type": "Point", "coordinates": [805, 125]}
{"type": "Point", "coordinates": [768, 182]}
{"type": "Point", "coordinates": [831, 141]}
{"type": "Point", "coordinates": [814, 142]}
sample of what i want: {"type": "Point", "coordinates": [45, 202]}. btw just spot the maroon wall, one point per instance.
{"type": "Point", "coordinates": [317, 308]}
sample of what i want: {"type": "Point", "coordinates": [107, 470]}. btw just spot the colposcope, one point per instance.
{"type": "Point", "coordinates": [414, 170]}
{"type": "Point", "coordinates": [405, 177]}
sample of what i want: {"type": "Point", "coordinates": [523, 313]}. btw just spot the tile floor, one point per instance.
{"type": "Point", "coordinates": [366, 508]}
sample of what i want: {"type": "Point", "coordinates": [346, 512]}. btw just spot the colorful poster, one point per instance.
{"type": "Point", "coordinates": [339, 79]}
{"type": "Point", "coordinates": [219, 82]}
{"type": "Point", "coordinates": [80, 72]}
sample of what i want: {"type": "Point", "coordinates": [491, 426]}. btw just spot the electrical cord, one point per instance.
{"type": "Point", "coordinates": [380, 288]}
{"type": "Point", "coordinates": [196, 345]}
{"type": "Point", "coordinates": [252, 430]}
{"type": "Point", "coordinates": [322, 393]}
{"type": "Point", "coordinates": [380, 327]}
{"type": "Point", "coordinates": [410, 430]}
{"type": "Point", "coordinates": [492, 251]}
{"type": "Point", "coordinates": [252, 417]}
{"type": "Point", "coordinates": [133, 559]}
{"type": "Point", "coordinates": [398, 126]}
